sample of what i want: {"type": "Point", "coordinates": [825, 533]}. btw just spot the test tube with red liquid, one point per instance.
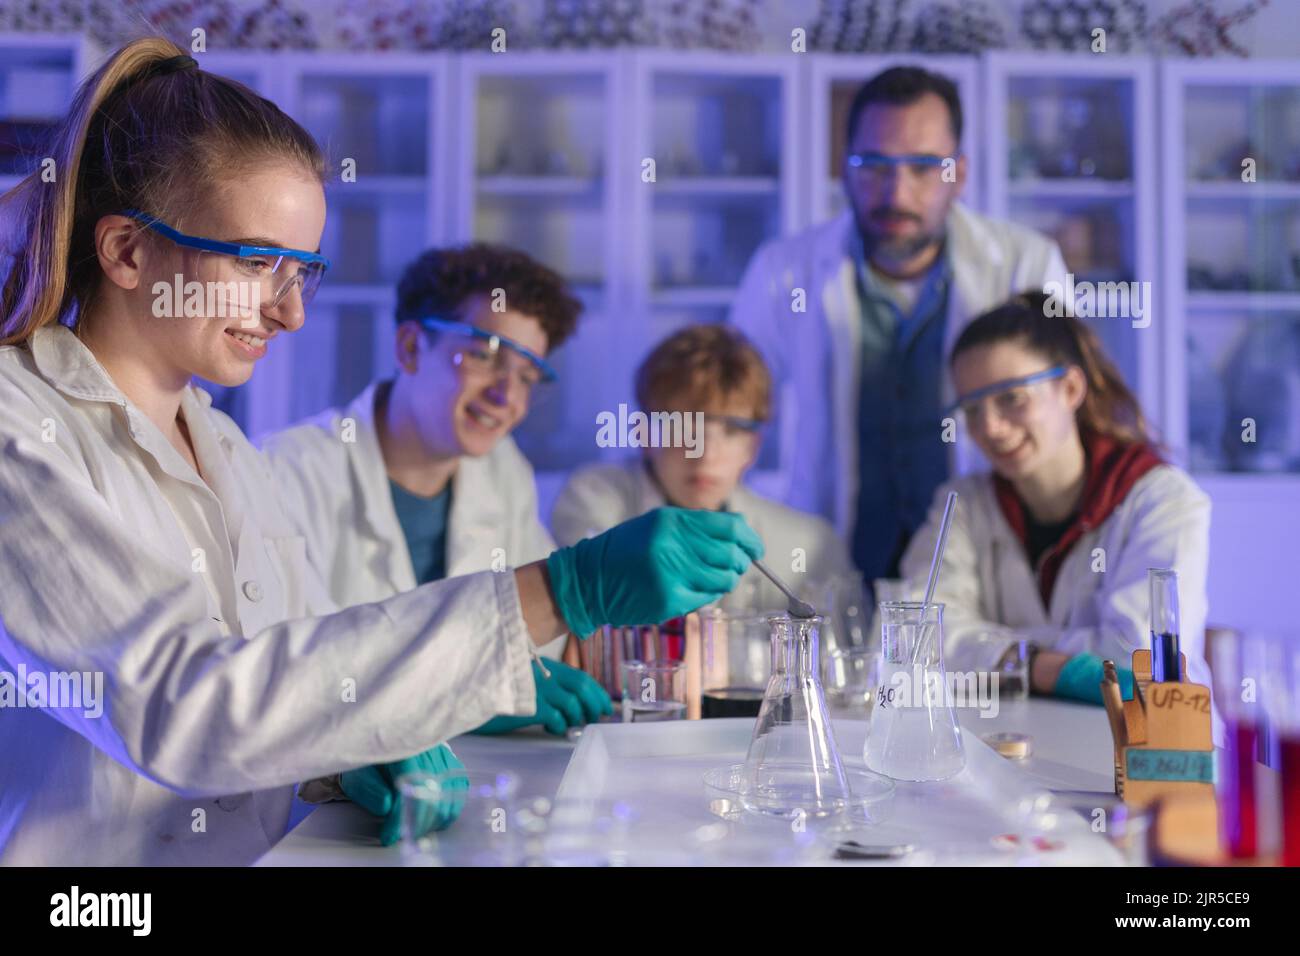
{"type": "Point", "coordinates": [1284, 711]}
{"type": "Point", "coordinates": [1291, 798]}
{"type": "Point", "coordinates": [1239, 668]}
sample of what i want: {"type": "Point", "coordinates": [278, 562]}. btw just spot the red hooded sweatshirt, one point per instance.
{"type": "Point", "coordinates": [1113, 468]}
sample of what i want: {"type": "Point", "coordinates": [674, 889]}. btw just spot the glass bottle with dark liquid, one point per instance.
{"type": "Point", "coordinates": [731, 702]}
{"type": "Point", "coordinates": [735, 662]}
{"type": "Point", "coordinates": [1165, 659]}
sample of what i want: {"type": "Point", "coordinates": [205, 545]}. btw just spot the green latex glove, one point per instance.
{"type": "Point", "coordinates": [568, 698]}
{"type": "Point", "coordinates": [1080, 679]}
{"type": "Point", "coordinates": [375, 789]}
{"type": "Point", "coordinates": [664, 564]}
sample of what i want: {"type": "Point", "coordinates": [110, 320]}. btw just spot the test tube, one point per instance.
{"type": "Point", "coordinates": [1164, 625]}
{"type": "Point", "coordinates": [1239, 667]}
{"type": "Point", "coordinates": [1282, 702]}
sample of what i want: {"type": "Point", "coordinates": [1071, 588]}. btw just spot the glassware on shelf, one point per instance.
{"type": "Point", "coordinates": [1074, 158]}
{"type": "Point", "coordinates": [381, 122]}
{"type": "Point", "coordinates": [1225, 166]}
{"type": "Point", "coordinates": [1069, 132]}
{"type": "Point", "coordinates": [504, 161]}
{"type": "Point", "coordinates": [1274, 270]}
{"type": "Point", "coordinates": [1207, 410]}
{"type": "Point", "coordinates": [914, 733]}
{"type": "Point", "coordinates": [682, 161]}
{"type": "Point", "coordinates": [1263, 384]}
{"type": "Point", "coordinates": [793, 767]}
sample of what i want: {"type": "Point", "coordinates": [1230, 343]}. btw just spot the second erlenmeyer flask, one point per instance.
{"type": "Point", "coordinates": [793, 765]}
{"type": "Point", "coordinates": [914, 733]}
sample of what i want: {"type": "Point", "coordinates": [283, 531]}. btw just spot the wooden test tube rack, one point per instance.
{"type": "Point", "coordinates": [1164, 746]}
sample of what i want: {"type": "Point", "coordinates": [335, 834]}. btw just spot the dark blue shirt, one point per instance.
{"type": "Point", "coordinates": [902, 458]}
{"type": "Point", "coordinates": [424, 525]}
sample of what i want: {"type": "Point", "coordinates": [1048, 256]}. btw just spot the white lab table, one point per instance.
{"type": "Point", "coordinates": [1072, 752]}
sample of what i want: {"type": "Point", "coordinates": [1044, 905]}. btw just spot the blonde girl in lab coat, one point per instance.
{"type": "Point", "coordinates": [143, 541]}
{"type": "Point", "coordinates": [1053, 545]}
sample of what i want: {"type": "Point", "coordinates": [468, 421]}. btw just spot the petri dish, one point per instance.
{"type": "Point", "coordinates": [871, 796]}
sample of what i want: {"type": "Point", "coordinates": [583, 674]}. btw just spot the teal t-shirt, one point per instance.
{"type": "Point", "coordinates": [424, 525]}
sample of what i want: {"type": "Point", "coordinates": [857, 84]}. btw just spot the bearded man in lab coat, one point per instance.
{"type": "Point", "coordinates": [855, 316]}
{"type": "Point", "coordinates": [418, 478]}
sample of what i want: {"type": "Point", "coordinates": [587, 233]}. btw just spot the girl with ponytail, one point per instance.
{"type": "Point", "coordinates": [1053, 545]}
{"type": "Point", "coordinates": [145, 551]}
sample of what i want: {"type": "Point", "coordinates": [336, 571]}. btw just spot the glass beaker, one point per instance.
{"type": "Point", "coordinates": [480, 805]}
{"type": "Point", "coordinates": [793, 767]}
{"type": "Point", "coordinates": [1001, 655]}
{"type": "Point", "coordinates": [734, 665]}
{"type": "Point", "coordinates": [845, 604]}
{"type": "Point", "coordinates": [653, 691]}
{"type": "Point", "coordinates": [914, 733]}
{"type": "Point", "coordinates": [852, 675]}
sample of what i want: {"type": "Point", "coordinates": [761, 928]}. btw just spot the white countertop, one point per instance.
{"type": "Point", "coordinates": [1071, 752]}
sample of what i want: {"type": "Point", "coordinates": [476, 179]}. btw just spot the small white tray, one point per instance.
{"type": "Point", "coordinates": [989, 814]}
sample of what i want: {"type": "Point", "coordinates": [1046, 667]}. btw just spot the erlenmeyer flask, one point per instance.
{"type": "Point", "coordinates": [914, 733]}
{"type": "Point", "coordinates": [793, 765]}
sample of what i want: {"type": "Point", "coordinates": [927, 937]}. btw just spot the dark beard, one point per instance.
{"type": "Point", "coordinates": [896, 250]}
{"type": "Point", "coordinates": [891, 250]}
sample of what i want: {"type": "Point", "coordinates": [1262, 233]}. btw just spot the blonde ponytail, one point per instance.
{"type": "Point", "coordinates": [135, 137]}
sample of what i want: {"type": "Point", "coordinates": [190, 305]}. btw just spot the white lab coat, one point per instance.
{"type": "Point", "coordinates": [987, 584]}
{"type": "Point", "coordinates": [331, 471]}
{"type": "Point", "coordinates": [802, 546]}
{"type": "Point", "coordinates": [815, 354]}
{"type": "Point", "coordinates": [227, 674]}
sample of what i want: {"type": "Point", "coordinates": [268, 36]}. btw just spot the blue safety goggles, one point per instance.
{"type": "Point", "coordinates": [266, 264]}
{"type": "Point", "coordinates": [878, 164]}
{"type": "Point", "coordinates": [965, 402]}
{"type": "Point", "coordinates": [750, 425]}
{"type": "Point", "coordinates": [494, 344]}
